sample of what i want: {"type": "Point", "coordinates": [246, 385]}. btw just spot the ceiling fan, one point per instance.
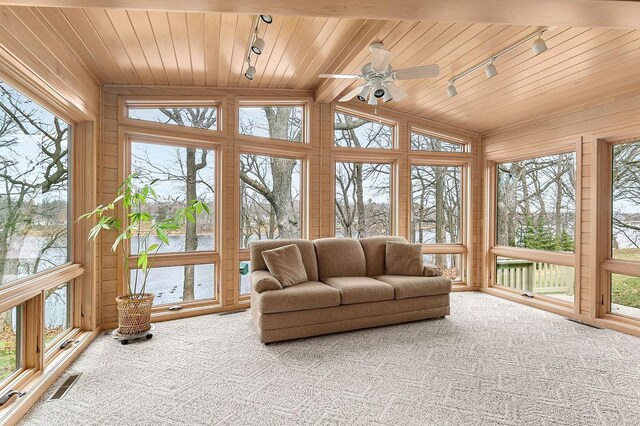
{"type": "Point", "coordinates": [379, 78]}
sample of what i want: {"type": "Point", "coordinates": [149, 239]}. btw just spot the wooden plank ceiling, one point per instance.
{"type": "Point", "coordinates": [139, 47]}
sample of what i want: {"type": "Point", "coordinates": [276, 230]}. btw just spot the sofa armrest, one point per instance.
{"type": "Point", "coordinates": [263, 280]}
{"type": "Point", "coordinates": [431, 270]}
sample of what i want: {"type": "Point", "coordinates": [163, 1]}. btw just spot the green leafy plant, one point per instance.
{"type": "Point", "coordinates": [133, 195]}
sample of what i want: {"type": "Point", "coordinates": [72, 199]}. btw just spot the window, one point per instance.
{"type": "Point", "coordinates": [273, 122]}
{"type": "Point", "coordinates": [178, 284]}
{"type": "Point", "coordinates": [542, 278]}
{"type": "Point", "coordinates": [10, 327]}
{"type": "Point", "coordinates": [245, 280]}
{"type": "Point", "coordinates": [623, 266]}
{"type": "Point", "coordinates": [181, 174]}
{"type": "Point", "coordinates": [270, 191]}
{"type": "Point", "coordinates": [34, 187]}
{"type": "Point", "coordinates": [357, 132]}
{"type": "Point", "coordinates": [436, 204]}
{"type": "Point", "coordinates": [362, 199]}
{"type": "Point", "coordinates": [536, 203]}
{"type": "Point", "coordinates": [625, 218]}
{"type": "Point", "coordinates": [425, 142]}
{"type": "Point", "coordinates": [57, 313]}
{"type": "Point", "coordinates": [200, 117]}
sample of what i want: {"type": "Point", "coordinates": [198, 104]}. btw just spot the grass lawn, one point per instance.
{"type": "Point", "coordinates": [7, 354]}
{"type": "Point", "coordinates": [625, 290]}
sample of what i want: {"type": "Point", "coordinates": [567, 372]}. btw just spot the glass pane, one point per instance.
{"type": "Point", "coordinates": [34, 167]}
{"type": "Point", "coordinates": [625, 239]}
{"type": "Point", "coordinates": [359, 132]}
{"type": "Point", "coordinates": [625, 295]}
{"type": "Point", "coordinates": [274, 122]}
{"type": "Point", "coordinates": [177, 284]}
{"type": "Point", "coordinates": [9, 342]}
{"type": "Point", "coordinates": [245, 282]}
{"type": "Point", "coordinates": [541, 278]}
{"type": "Point", "coordinates": [422, 142]}
{"type": "Point", "coordinates": [269, 198]}
{"type": "Point", "coordinates": [57, 312]}
{"type": "Point", "coordinates": [201, 117]}
{"type": "Point", "coordinates": [436, 203]}
{"type": "Point", "coordinates": [363, 194]}
{"type": "Point", "coordinates": [183, 174]}
{"type": "Point", "coordinates": [451, 264]}
{"type": "Point", "coordinates": [536, 203]}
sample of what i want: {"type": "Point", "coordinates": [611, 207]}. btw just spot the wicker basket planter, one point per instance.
{"type": "Point", "coordinates": [134, 313]}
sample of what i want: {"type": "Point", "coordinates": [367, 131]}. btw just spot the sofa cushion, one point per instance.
{"type": "Point", "coordinates": [263, 281]}
{"type": "Point", "coordinates": [307, 251]}
{"type": "Point", "coordinates": [285, 264]}
{"type": "Point", "coordinates": [406, 286]}
{"type": "Point", "coordinates": [360, 289]}
{"type": "Point", "coordinates": [431, 270]}
{"type": "Point", "coordinates": [309, 295]}
{"type": "Point", "coordinates": [340, 257]}
{"type": "Point", "coordinates": [374, 252]}
{"type": "Point", "coordinates": [403, 259]}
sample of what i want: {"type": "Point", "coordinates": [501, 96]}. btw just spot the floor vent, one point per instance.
{"type": "Point", "coordinates": [584, 323]}
{"type": "Point", "coordinates": [232, 312]}
{"type": "Point", "coordinates": [64, 388]}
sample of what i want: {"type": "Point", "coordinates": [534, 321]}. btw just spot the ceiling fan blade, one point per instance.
{"type": "Point", "coordinates": [352, 94]}
{"type": "Point", "coordinates": [380, 59]}
{"type": "Point", "coordinates": [350, 76]}
{"type": "Point", "coordinates": [397, 93]}
{"type": "Point", "coordinates": [423, 71]}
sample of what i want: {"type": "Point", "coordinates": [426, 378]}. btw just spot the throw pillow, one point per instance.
{"type": "Point", "coordinates": [403, 259]}
{"type": "Point", "coordinates": [285, 264]}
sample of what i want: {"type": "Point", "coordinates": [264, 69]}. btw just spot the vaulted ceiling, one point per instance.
{"type": "Point", "coordinates": [582, 64]}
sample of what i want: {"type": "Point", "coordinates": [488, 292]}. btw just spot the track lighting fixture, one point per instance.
{"type": "Point", "coordinates": [250, 72]}
{"type": "Point", "coordinates": [451, 90]}
{"type": "Point", "coordinates": [491, 70]}
{"type": "Point", "coordinates": [257, 46]}
{"type": "Point", "coordinates": [539, 46]}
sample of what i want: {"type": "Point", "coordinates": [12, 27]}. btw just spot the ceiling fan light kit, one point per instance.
{"type": "Point", "coordinates": [256, 45]}
{"type": "Point", "coordinates": [538, 46]}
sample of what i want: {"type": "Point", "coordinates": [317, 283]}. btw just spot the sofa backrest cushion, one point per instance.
{"type": "Point", "coordinates": [340, 257]}
{"type": "Point", "coordinates": [307, 251]}
{"type": "Point", "coordinates": [375, 252]}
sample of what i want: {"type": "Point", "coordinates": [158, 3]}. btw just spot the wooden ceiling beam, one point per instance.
{"type": "Point", "coordinates": [584, 13]}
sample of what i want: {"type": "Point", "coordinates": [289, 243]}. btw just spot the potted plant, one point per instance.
{"type": "Point", "coordinates": [150, 232]}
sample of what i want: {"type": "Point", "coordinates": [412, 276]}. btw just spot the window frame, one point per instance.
{"type": "Point", "coordinates": [394, 124]}
{"type": "Point", "coordinates": [301, 152]}
{"type": "Point", "coordinates": [172, 102]}
{"type": "Point", "coordinates": [493, 251]}
{"type": "Point", "coordinates": [275, 101]}
{"type": "Point", "coordinates": [452, 159]}
{"type": "Point", "coordinates": [466, 146]}
{"type": "Point", "coordinates": [176, 137]}
{"type": "Point", "coordinates": [606, 265]}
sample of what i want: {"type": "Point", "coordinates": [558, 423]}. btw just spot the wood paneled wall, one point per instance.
{"type": "Point", "coordinates": [320, 176]}
{"type": "Point", "coordinates": [616, 116]}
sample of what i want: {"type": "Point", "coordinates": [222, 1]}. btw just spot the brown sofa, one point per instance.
{"type": "Point", "coordinates": [347, 290]}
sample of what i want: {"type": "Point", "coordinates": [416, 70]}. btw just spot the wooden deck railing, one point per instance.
{"type": "Point", "coordinates": [535, 277]}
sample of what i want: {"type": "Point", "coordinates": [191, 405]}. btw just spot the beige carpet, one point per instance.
{"type": "Point", "coordinates": [490, 362]}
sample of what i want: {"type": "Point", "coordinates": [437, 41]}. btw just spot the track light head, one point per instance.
{"type": "Point", "coordinates": [267, 19]}
{"type": "Point", "coordinates": [539, 46]}
{"type": "Point", "coordinates": [491, 70]}
{"type": "Point", "coordinates": [257, 46]}
{"type": "Point", "coordinates": [250, 72]}
{"type": "Point", "coordinates": [387, 96]}
{"type": "Point", "coordinates": [379, 93]}
{"type": "Point", "coordinates": [451, 90]}
{"type": "Point", "coordinates": [362, 96]}
{"type": "Point", "coordinates": [373, 101]}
